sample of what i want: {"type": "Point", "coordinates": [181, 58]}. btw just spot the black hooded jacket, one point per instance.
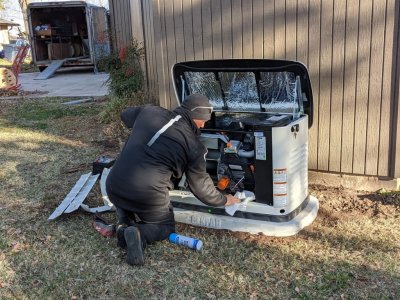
{"type": "Point", "coordinates": [155, 153]}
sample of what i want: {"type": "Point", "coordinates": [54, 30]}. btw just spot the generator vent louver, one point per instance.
{"type": "Point", "coordinates": [298, 168]}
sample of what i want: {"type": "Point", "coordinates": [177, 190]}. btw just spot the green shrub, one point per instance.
{"type": "Point", "coordinates": [126, 84]}
{"type": "Point", "coordinates": [126, 75]}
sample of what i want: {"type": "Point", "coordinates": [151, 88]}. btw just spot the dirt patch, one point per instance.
{"type": "Point", "coordinates": [93, 132]}
{"type": "Point", "coordinates": [19, 93]}
{"type": "Point", "coordinates": [361, 203]}
{"type": "Point", "coordinates": [8, 93]}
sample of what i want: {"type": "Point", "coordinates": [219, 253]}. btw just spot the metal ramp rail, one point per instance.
{"type": "Point", "coordinates": [50, 70]}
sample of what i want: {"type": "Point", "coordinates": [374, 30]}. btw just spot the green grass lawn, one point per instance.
{"type": "Point", "coordinates": [352, 250]}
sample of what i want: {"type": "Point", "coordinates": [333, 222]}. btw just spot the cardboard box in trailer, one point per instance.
{"type": "Point", "coordinates": [73, 31]}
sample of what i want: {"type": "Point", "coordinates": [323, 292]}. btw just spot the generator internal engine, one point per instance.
{"type": "Point", "coordinates": [260, 152]}
{"type": "Point", "coordinates": [234, 166]}
{"type": "Point", "coordinates": [237, 165]}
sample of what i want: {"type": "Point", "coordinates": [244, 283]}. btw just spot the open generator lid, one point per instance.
{"type": "Point", "coordinates": [247, 85]}
{"type": "Point", "coordinates": [57, 3]}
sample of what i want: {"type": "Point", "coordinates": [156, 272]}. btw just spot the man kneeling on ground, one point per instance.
{"type": "Point", "coordinates": [163, 145]}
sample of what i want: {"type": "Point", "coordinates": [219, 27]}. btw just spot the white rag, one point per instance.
{"type": "Point", "coordinates": [245, 197]}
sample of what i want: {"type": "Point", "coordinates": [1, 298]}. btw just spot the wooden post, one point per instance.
{"type": "Point", "coordinates": [24, 5]}
{"type": "Point", "coordinates": [396, 104]}
{"type": "Point", "coordinates": [111, 4]}
{"type": "Point", "coordinates": [136, 16]}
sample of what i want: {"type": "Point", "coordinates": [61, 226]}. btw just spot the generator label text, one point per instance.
{"type": "Point", "coordinates": [261, 148]}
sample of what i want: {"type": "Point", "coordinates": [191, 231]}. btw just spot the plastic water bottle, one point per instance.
{"type": "Point", "coordinates": [185, 241]}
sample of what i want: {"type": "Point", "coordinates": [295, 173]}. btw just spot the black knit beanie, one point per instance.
{"type": "Point", "coordinates": [198, 106]}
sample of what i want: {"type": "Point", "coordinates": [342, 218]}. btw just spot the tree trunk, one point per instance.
{"type": "Point", "coordinates": [24, 5]}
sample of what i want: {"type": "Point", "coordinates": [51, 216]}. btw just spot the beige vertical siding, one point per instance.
{"type": "Point", "coordinates": [350, 48]}
{"type": "Point", "coordinates": [363, 72]}
{"type": "Point", "coordinates": [338, 35]}
{"type": "Point", "coordinates": [258, 34]}
{"type": "Point", "coordinates": [390, 132]}
{"type": "Point", "coordinates": [149, 45]}
{"type": "Point", "coordinates": [121, 29]}
{"type": "Point", "coordinates": [290, 29]}
{"type": "Point", "coordinates": [227, 50]}
{"type": "Point", "coordinates": [314, 19]}
{"type": "Point", "coordinates": [375, 88]}
{"type": "Point", "coordinates": [197, 33]}
{"type": "Point", "coordinates": [395, 88]}
{"type": "Point", "coordinates": [237, 36]}
{"type": "Point", "coordinates": [325, 76]}
{"type": "Point", "coordinates": [349, 90]}
{"type": "Point", "coordinates": [269, 29]}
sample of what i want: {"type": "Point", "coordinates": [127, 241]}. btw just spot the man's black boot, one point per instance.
{"type": "Point", "coordinates": [134, 246]}
{"type": "Point", "coordinates": [120, 235]}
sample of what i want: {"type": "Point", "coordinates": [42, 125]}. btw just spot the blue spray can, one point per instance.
{"type": "Point", "coordinates": [185, 241]}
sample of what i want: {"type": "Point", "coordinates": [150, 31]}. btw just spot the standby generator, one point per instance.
{"type": "Point", "coordinates": [257, 141]}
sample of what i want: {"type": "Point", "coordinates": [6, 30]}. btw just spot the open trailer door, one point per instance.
{"type": "Point", "coordinates": [99, 34]}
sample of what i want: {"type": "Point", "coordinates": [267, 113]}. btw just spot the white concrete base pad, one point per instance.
{"type": "Point", "coordinates": [303, 219]}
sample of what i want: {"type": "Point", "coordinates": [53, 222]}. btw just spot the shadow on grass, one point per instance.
{"type": "Point", "coordinates": [388, 198]}
{"type": "Point", "coordinates": [41, 165]}
{"type": "Point", "coordinates": [341, 241]}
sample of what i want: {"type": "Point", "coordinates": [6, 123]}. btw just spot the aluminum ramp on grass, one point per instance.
{"type": "Point", "coordinates": [50, 70]}
{"type": "Point", "coordinates": [70, 197]}
{"type": "Point", "coordinates": [80, 191]}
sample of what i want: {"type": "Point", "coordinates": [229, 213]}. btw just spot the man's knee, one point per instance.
{"type": "Point", "coordinates": [155, 232]}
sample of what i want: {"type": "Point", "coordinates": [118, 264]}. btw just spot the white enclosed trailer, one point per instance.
{"type": "Point", "coordinates": [72, 33]}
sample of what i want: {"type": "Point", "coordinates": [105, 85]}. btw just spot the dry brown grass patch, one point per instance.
{"type": "Point", "coordinates": [352, 250]}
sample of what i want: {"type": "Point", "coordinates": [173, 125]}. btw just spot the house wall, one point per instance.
{"type": "Point", "coordinates": [350, 48]}
{"type": "Point", "coordinates": [121, 24]}
{"type": "Point", "coordinates": [4, 38]}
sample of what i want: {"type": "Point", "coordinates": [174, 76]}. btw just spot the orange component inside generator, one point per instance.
{"type": "Point", "coordinates": [223, 183]}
